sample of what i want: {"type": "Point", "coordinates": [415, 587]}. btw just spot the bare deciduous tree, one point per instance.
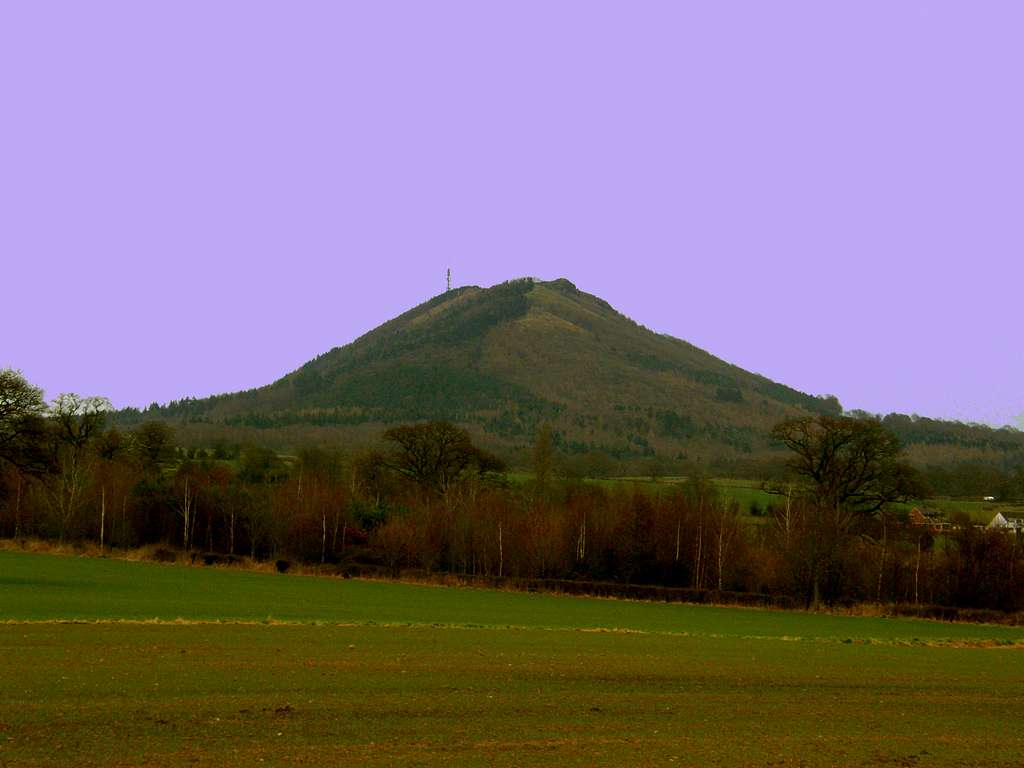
{"type": "Point", "coordinates": [848, 470]}
{"type": "Point", "coordinates": [74, 424]}
{"type": "Point", "coordinates": [435, 454]}
{"type": "Point", "coordinates": [849, 465]}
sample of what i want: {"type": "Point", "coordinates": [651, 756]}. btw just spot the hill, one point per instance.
{"type": "Point", "coordinates": [503, 360]}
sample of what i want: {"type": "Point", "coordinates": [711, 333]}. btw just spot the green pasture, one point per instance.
{"type": "Point", "coordinates": [748, 493]}
{"type": "Point", "coordinates": [350, 672]}
{"type": "Point", "coordinates": [37, 587]}
{"type": "Point", "coordinates": [745, 492]}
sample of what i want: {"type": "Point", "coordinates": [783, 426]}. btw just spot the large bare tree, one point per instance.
{"type": "Point", "coordinates": [75, 424]}
{"type": "Point", "coordinates": [853, 465]}
{"type": "Point", "coordinates": [847, 471]}
{"type": "Point", "coordinates": [435, 454]}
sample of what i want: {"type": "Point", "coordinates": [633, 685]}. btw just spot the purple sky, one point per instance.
{"type": "Point", "coordinates": [198, 197]}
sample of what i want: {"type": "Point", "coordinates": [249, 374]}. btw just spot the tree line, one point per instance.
{"type": "Point", "coordinates": [429, 500]}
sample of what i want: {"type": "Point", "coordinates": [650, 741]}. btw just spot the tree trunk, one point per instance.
{"type": "Point", "coordinates": [721, 547]}
{"type": "Point", "coordinates": [917, 573]}
{"type": "Point", "coordinates": [17, 510]}
{"type": "Point", "coordinates": [334, 537]}
{"type": "Point", "coordinates": [187, 513]}
{"type": "Point", "coordinates": [789, 515]}
{"type": "Point", "coordinates": [103, 514]}
{"type": "Point", "coordinates": [881, 564]}
{"type": "Point", "coordinates": [323, 540]}
{"type": "Point", "coordinates": [581, 540]}
{"type": "Point", "coordinates": [1013, 554]}
{"type": "Point", "coordinates": [69, 482]}
{"type": "Point", "coordinates": [698, 557]}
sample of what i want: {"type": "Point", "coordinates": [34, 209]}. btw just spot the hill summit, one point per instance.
{"type": "Point", "coordinates": [503, 360]}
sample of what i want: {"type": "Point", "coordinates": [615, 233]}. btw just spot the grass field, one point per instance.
{"type": "Point", "coordinates": [747, 493]}
{"type": "Point", "coordinates": [251, 668]}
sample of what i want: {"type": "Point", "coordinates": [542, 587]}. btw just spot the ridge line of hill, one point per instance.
{"type": "Point", "coordinates": [502, 361]}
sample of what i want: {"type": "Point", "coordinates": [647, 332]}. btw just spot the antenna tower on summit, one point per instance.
{"type": "Point", "coordinates": [449, 278]}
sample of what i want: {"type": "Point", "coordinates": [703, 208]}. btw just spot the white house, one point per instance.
{"type": "Point", "coordinates": [1008, 522]}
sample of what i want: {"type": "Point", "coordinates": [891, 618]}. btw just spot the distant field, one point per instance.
{"type": "Point", "coordinates": [748, 493]}
{"type": "Point", "coordinates": [978, 511]}
{"type": "Point", "coordinates": [336, 672]}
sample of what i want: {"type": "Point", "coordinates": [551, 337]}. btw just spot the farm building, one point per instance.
{"type": "Point", "coordinates": [1007, 521]}
{"type": "Point", "coordinates": [933, 519]}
